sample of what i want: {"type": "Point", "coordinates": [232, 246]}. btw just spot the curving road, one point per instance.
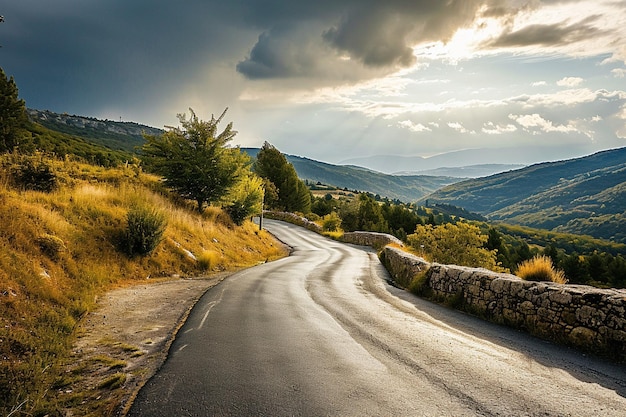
{"type": "Point", "coordinates": [320, 333]}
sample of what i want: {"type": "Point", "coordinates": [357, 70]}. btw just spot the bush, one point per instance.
{"type": "Point", "coordinates": [453, 244]}
{"type": "Point", "coordinates": [208, 259]}
{"type": "Point", "coordinates": [144, 230]}
{"type": "Point", "coordinates": [331, 222]}
{"type": "Point", "coordinates": [540, 268]}
{"type": "Point", "coordinates": [419, 284]}
{"type": "Point", "coordinates": [246, 199]}
{"type": "Point", "coordinates": [36, 176]}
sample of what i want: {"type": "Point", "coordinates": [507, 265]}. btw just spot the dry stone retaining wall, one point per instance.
{"type": "Point", "coordinates": [373, 239]}
{"type": "Point", "coordinates": [585, 317]}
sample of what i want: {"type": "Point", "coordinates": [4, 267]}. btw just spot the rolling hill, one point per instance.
{"type": "Point", "coordinates": [405, 188]}
{"type": "Point", "coordinates": [584, 195]}
{"type": "Point", "coordinates": [128, 136]}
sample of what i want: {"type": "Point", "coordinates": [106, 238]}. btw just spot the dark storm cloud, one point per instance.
{"type": "Point", "coordinates": [371, 32]}
{"type": "Point", "coordinates": [135, 46]}
{"type": "Point", "coordinates": [73, 54]}
{"type": "Point", "coordinates": [550, 34]}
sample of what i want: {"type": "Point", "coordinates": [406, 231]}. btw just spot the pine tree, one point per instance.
{"type": "Point", "coordinates": [13, 117]}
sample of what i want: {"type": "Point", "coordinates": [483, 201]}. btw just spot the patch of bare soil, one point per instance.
{"type": "Point", "coordinates": [124, 342]}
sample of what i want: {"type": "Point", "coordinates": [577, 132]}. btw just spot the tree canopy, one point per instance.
{"type": "Point", "coordinates": [459, 244]}
{"type": "Point", "coordinates": [13, 118]}
{"type": "Point", "coordinates": [292, 193]}
{"type": "Point", "coordinates": [195, 160]}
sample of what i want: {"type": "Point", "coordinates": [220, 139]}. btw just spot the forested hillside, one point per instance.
{"type": "Point", "coordinates": [584, 195]}
{"type": "Point", "coordinates": [405, 188]}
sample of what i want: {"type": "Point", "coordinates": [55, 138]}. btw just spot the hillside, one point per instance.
{"type": "Point", "coordinates": [584, 195]}
{"type": "Point", "coordinates": [406, 188]}
{"type": "Point", "coordinates": [120, 136]}
{"type": "Point", "coordinates": [125, 137]}
{"type": "Point", "coordinates": [62, 248]}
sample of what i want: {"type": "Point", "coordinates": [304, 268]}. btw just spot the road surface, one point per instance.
{"type": "Point", "coordinates": [320, 333]}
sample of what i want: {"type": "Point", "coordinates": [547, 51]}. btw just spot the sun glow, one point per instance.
{"type": "Point", "coordinates": [464, 44]}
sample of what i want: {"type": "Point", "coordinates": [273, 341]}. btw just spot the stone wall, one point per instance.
{"type": "Point", "coordinates": [581, 316]}
{"type": "Point", "coordinates": [373, 239]}
{"type": "Point", "coordinates": [293, 219]}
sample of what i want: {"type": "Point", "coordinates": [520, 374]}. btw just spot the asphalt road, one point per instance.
{"type": "Point", "coordinates": [320, 333]}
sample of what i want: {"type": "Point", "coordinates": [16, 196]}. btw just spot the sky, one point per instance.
{"type": "Point", "coordinates": [335, 80]}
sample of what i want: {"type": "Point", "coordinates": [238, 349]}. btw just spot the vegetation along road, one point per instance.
{"type": "Point", "coordinates": [321, 333]}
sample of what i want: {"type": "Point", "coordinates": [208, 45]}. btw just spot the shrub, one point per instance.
{"type": "Point", "coordinates": [540, 268]}
{"type": "Point", "coordinates": [458, 244]}
{"type": "Point", "coordinates": [144, 230]}
{"type": "Point", "coordinates": [36, 176]}
{"type": "Point", "coordinates": [331, 222]}
{"type": "Point", "coordinates": [246, 199]}
{"type": "Point", "coordinates": [419, 284]}
{"type": "Point", "coordinates": [208, 259]}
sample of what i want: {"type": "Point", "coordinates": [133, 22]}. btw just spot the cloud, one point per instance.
{"type": "Point", "coordinates": [492, 129]}
{"type": "Point", "coordinates": [553, 34]}
{"type": "Point", "coordinates": [534, 122]}
{"type": "Point", "coordinates": [370, 33]}
{"type": "Point", "coordinates": [458, 127]}
{"type": "Point", "coordinates": [569, 82]}
{"type": "Point", "coordinates": [414, 127]}
{"type": "Point", "coordinates": [619, 72]}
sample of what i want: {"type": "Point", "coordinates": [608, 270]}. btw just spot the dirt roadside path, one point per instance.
{"type": "Point", "coordinates": [121, 344]}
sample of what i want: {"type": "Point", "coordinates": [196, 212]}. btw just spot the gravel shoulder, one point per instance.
{"type": "Point", "coordinates": [121, 344]}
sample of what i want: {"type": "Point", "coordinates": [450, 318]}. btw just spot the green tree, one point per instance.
{"type": "Point", "coordinates": [245, 198]}
{"type": "Point", "coordinates": [293, 194]}
{"type": "Point", "coordinates": [495, 242]}
{"type": "Point", "coordinates": [13, 119]}
{"type": "Point", "coordinates": [323, 205]}
{"type": "Point", "coordinates": [575, 269]}
{"type": "Point", "coordinates": [401, 220]}
{"type": "Point", "coordinates": [458, 244]}
{"type": "Point", "coordinates": [195, 161]}
{"type": "Point", "coordinates": [370, 215]}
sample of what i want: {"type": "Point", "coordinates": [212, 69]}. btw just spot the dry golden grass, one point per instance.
{"type": "Point", "coordinates": [540, 268]}
{"type": "Point", "coordinates": [59, 251]}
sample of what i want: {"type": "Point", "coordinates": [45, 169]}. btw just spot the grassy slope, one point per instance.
{"type": "Point", "coordinates": [44, 293]}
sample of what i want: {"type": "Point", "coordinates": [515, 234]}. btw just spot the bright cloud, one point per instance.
{"type": "Point", "coordinates": [531, 121]}
{"type": "Point", "coordinates": [492, 129]}
{"type": "Point", "coordinates": [414, 127]}
{"type": "Point", "coordinates": [569, 82]}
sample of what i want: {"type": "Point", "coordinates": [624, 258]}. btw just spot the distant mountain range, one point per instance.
{"type": "Point", "coordinates": [584, 195]}
{"type": "Point", "coordinates": [485, 161]}
{"type": "Point", "coordinates": [469, 171]}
